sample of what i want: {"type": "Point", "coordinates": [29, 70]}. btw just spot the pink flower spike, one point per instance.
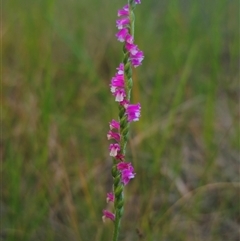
{"type": "Point", "coordinates": [133, 112]}
{"type": "Point", "coordinates": [137, 1]}
{"type": "Point", "coordinates": [114, 149]}
{"type": "Point", "coordinates": [107, 214]}
{"type": "Point", "coordinates": [110, 197]}
{"type": "Point", "coordinates": [124, 11]}
{"type": "Point", "coordinates": [114, 125]}
{"type": "Point", "coordinates": [122, 34]}
{"type": "Point", "coordinates": [113, 135]}
{"type": "Point", "coordinates": [122, 23]}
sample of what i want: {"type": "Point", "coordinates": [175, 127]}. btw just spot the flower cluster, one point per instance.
{"type": "Point", "coordinates": [131, 112]}
{"type": "Point", "coordinates": [117, 87]}
{"type": "Point", "coordinates": [127, 172]}
{"type": "Point", "coordinates": [123, 35]}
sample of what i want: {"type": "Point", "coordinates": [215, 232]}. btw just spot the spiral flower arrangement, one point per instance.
{"type": "Point", "coordinates": [121, 86]}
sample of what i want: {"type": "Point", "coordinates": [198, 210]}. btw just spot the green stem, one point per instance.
{"type": "Point", "coordinates": [116, 227]}
{"type": "Point", "coordinates": [118, 203]}
{"type": "Point", "coordinates": [124, 132]}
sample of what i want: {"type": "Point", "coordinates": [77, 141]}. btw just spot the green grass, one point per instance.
{"type": "Point", "coordinates": [57, 61]}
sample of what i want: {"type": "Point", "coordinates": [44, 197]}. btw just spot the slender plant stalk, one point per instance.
{"type": "Point", "coordinates": [119, 200]}
{"type": "Point", "coordinates": [121, 86]}
{"type": "Point", "coordinates": [124, 132]}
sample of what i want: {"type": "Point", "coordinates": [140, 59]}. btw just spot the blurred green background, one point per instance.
{"type": "Point", "coordinates": [57, 61]}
